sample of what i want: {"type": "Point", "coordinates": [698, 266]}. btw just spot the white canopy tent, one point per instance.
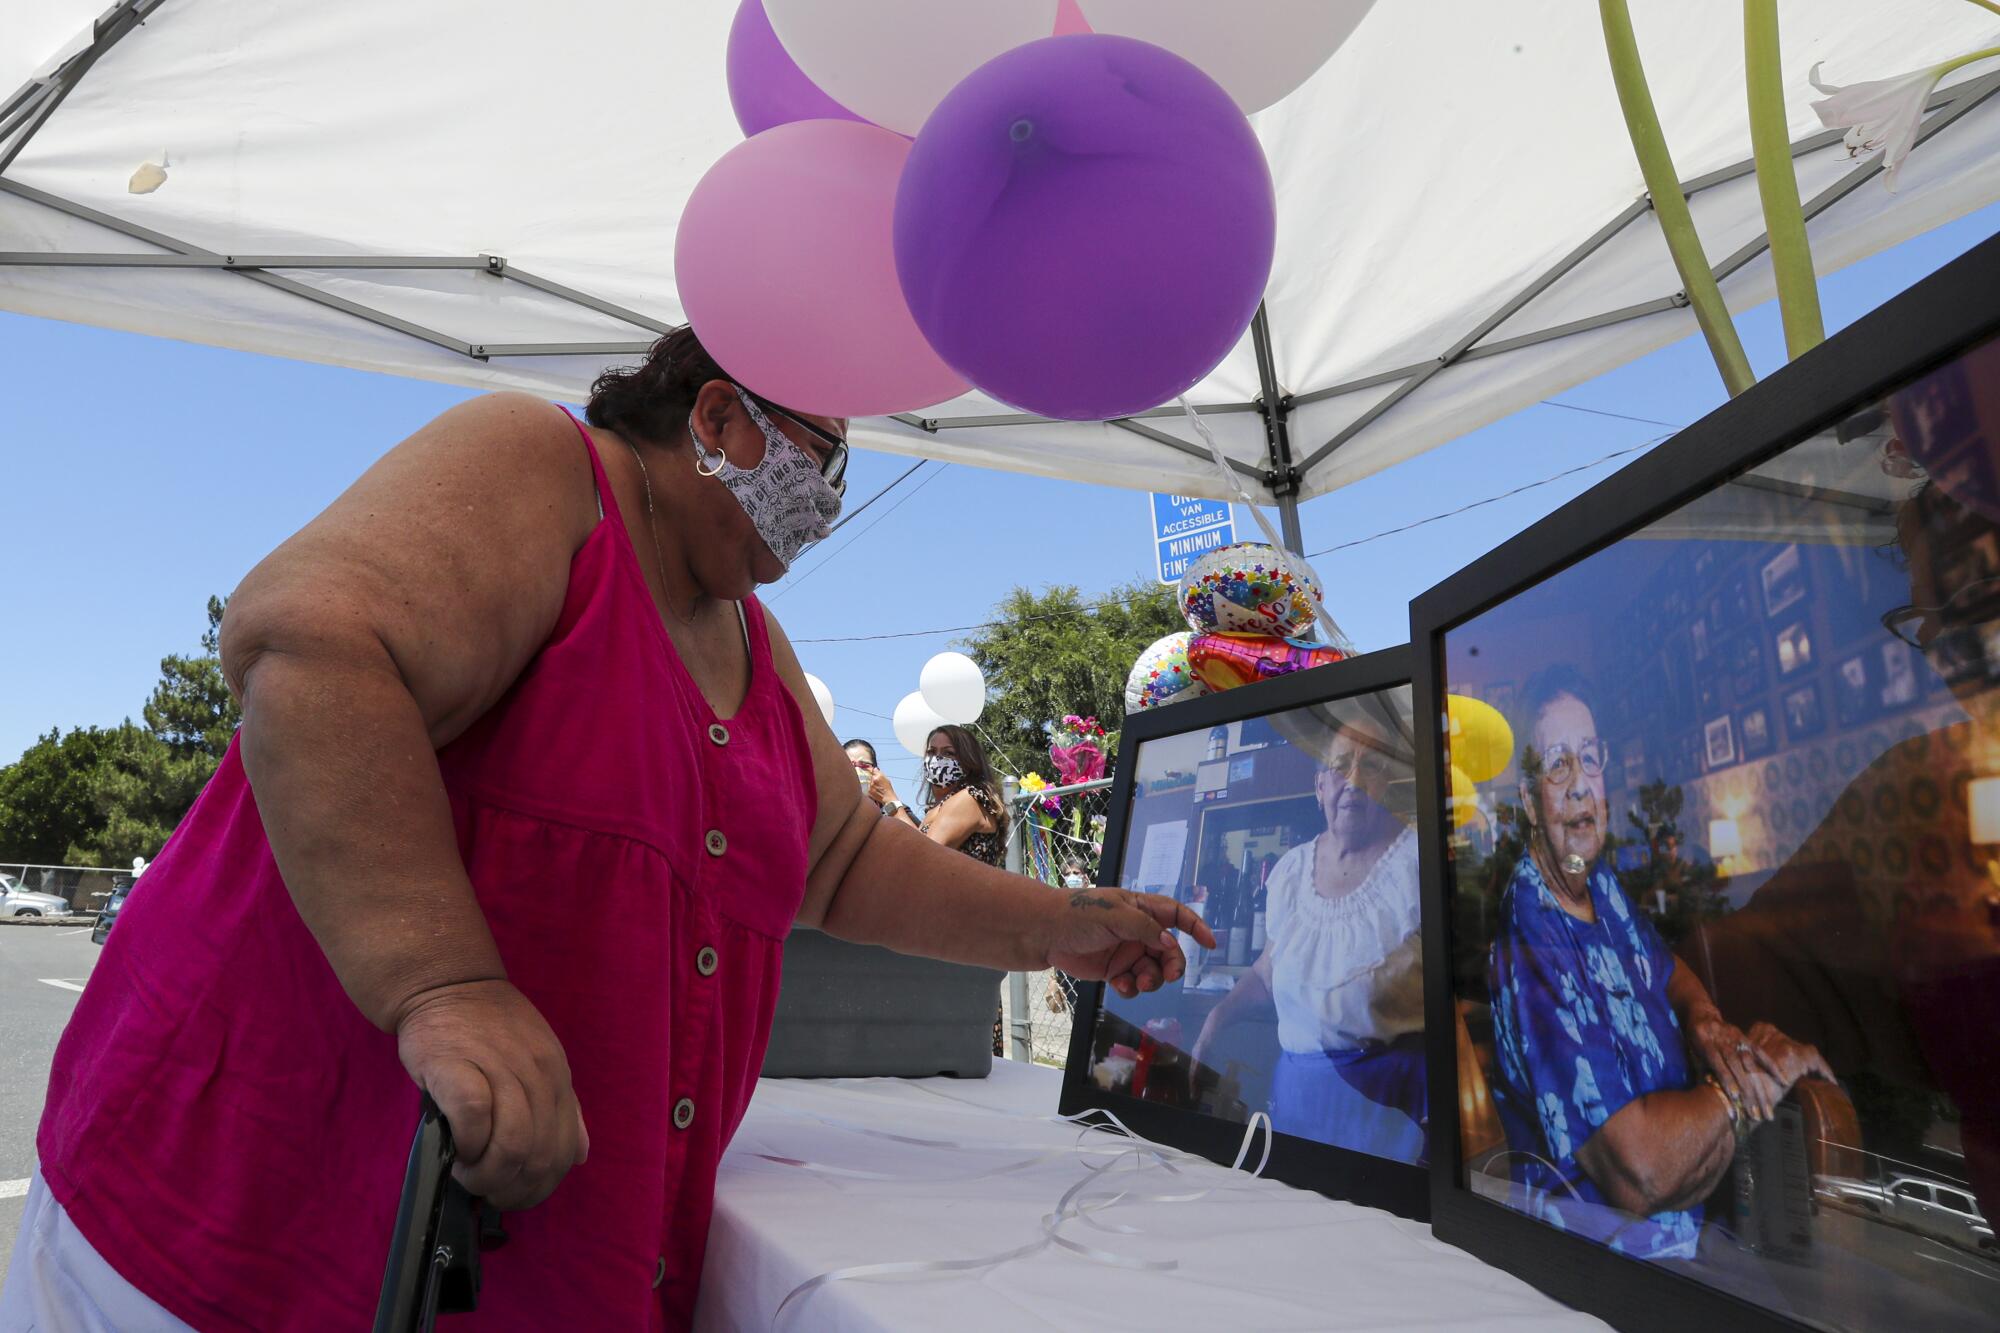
{"type": "Point", "coordinates": [486, 194]}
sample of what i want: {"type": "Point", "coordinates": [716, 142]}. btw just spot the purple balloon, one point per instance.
{"type": "Point", "coordinates": [766, 87]}
{"type": "Point", "coordinates": [1085, 226]}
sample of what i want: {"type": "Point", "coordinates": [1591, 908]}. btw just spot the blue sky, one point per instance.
{"type": "Point", "coordinates": [141, 475]}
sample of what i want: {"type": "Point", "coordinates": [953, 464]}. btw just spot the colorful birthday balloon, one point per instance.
{"type": "Point", "coordinates": [1224, 661]}
{"type": "Point", "coordinates": [1162, 676]}
{"type": "Point", "coordinates": [1249, 588]}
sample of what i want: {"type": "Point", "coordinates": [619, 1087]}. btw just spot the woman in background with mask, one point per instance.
{"type": "Point", "coordinates": [963, 808]}
{"type": "Point", "coordinates": [518, 653]}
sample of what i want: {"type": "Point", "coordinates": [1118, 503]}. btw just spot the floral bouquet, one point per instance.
{"type": "Point", "coordinates": [1032, 782]}
{"type": "Point", "coordinates": [1077, 748]}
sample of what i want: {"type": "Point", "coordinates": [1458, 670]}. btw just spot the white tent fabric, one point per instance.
{"type": "Point", "coordinates": [1462, 229]}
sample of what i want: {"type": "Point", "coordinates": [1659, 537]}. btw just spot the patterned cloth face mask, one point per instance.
{"type": "Point", "coordinates": [788, 499]}
{"type": "Point", "coordinates": [941, 770]}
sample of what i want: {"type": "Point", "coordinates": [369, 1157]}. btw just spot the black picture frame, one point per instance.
{"type": "Point", "coordinates": [1753, 732]}
{"type": "Point", "coordinates": [1925, 327]}
{"type": "Point", "coordinates": [1402, 1188]}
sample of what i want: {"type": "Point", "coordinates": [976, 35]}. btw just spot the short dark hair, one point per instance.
{"type": "Point", "coordinates": [857, 741]}
{"type": "Point", "coordinates": [651, 401]}
{"type": "Point", "coordinates": [1549, 684]}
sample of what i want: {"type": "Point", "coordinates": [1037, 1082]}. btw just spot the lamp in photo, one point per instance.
{"type": "Point", "coordinates": [1725, 840]}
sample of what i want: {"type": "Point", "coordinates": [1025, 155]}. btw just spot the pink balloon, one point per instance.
{"type": "Point", "coordinates": [1070, 19]}
{"type": "Point", "coordinates": [786, 267]}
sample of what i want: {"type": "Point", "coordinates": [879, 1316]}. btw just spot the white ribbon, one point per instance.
{"type": "Point", "coordinates": [1078, 1203]}
{"type": "Point", "coordinates": [1330, 631]}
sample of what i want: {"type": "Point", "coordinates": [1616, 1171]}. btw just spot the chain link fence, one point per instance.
{"type": "Point", "coordinates": [1053, 835]}
{"type": "Point", "coordinates": [84, 888]}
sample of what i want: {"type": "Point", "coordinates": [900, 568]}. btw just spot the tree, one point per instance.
{"type": "Point", "coordinates": [192, 710]}
{"type": "Point", "coordinates": [1056, 652]}
{"type": "Point", "coordinates": [47, 798]}
{"type": "Point", "coordinates": [101, 796]}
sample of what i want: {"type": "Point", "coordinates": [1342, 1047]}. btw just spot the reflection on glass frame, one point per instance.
{"type": "Point", "coordinates": [1723, 1048]}
{"type": "Point", "coordinates": [1282, 813]}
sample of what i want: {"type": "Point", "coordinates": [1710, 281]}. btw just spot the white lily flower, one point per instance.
{"type": "Point", "coordinates": [1883, 114]}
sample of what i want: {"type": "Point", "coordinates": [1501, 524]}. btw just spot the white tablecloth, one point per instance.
{"type": "Point", "coordinates": [1266, 1256]}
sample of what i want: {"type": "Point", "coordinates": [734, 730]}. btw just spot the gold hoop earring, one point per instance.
{"type": "Point", "coordinates": [702, 455]}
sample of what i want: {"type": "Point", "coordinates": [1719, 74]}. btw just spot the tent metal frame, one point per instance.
{"type": "Point", "coordinates": [1282, 473]}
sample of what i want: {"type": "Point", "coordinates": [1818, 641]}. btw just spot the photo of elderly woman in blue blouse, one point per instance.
{"type": "Point", "coordinates": [1622, 1089]}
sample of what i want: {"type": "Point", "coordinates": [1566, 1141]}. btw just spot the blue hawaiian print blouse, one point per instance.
{"type": "Point", "coordinates": [1582, 1026]}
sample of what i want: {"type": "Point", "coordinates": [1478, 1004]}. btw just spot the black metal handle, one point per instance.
{"type": "Point", "coordinates": [433, 1265]}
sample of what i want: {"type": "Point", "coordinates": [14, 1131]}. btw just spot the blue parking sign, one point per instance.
{"type": "Point", "coordinates": [1185, 527]}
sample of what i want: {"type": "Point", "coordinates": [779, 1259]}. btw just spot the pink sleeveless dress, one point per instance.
{"type": "Point", "coordinates": [229, 1133]}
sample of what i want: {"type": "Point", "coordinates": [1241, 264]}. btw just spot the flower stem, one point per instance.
{"type": "Point", "coordinates": [1987, 4]}
{"type": "Point", "coordinates": [1967, 59]}
{"type": "Point", "coordinates": [1649, 145]}
{"type": "Point", "coordinates": [1777, 184]}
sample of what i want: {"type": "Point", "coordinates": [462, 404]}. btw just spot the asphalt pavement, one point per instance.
{"type": "Point", "coordinates": [42, 972]}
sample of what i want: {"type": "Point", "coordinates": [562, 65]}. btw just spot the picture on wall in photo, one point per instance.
{"type": "Point", "coordinates": [1853, 691]}
{"type": "Point", "coordinates": [1754, 728]}
{"type": "Point", "coordinates": [1784, 582]}
{"type": "Point", "coordinates": [1720, 743]}
{"type": "Point", "coordinates": [1804, 715]}
{"type": "Point", "coordinates": [1795, 651]}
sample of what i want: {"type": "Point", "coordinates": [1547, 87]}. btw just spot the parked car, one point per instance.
{"type": "Point", "coordinates": [107, 917]}
{"type": "Point", "coordinates": [1939, 1209]}
{"type": "Point", "coordinates": [17, 901]}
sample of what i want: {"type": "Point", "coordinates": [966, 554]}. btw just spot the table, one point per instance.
{"type": "Point", "coordinates": [1258, 1254]}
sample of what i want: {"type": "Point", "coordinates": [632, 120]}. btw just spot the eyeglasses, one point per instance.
{"type": "Point", "coordinates": [1559, 763]}
{"type": "Point", "coordinates": [1907, 622]}
{"type": "Point", "coordinates": [1361, 766]}
{"type": "Point", "coordinates": [834, 469]}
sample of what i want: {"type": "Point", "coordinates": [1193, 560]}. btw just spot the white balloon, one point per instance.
{"type": "Point", "coordinates": [952, 685]}
{"type": "Point", "coordinates": [1258, 50]}
{"type": "Point", "coordinates": [894, 60]}
{"type": "Point", "coordinates": [914, 722]}
{"type": "Point", "coordinates": [821, 696]}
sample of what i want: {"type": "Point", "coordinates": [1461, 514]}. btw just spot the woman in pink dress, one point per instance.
{"type": "Point", "coordinates": [529, 791]}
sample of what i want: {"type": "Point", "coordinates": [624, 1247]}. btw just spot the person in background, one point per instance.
{"type": "Point", "coordinates": [862, 755]}
{"type": "Point", "coordinates": [1074, 876]}
{"type": "Point", "coordinates": [1620, 1083]}
{"type": "Point", "coordinates": [1343, 965]}
{"type": "Point", "coordinates": [963, 808]}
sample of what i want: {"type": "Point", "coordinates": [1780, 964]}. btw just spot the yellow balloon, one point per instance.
{"type": "Point", "coordinates": [1482, 743]}
{"type": "Point", "coordinates": [1464, 800]}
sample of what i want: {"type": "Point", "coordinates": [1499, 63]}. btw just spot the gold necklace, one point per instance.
{"type": "Point", "coordinates": [653, 531]}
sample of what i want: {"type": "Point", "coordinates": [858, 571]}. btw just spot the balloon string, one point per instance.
{"type": "Point", "coordinates": [1329, 630]}
{"type": "Point", "coordinates": [1077, 1204]}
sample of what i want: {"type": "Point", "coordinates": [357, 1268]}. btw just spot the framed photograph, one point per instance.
{"type": "Point", "coordinates": [1698, 633]}
{"type": "Point", "coordinates": [1754, 729]}
{"type": "Point", "coordinates": [1719, 739]}
{"type": "Point", "coordinates": [1899, 674]}
{"type": "Point", "coordinates": [1794, 650]}
{"type": "Point", "coordinates": [1333, 1052]}
{"type": "Point", "coordinates": [1854, 691]}
{"type": "Point", "coordinates": [1805, 716]}
{"type": "Point", "coordinates": [1784, 582]}
{"type": "Point", "coordinates": [1553, 1035]}
{"type": "Point", "coordinates": [1743, 659]}
{"type": "Point", "coordinates": [1737, 608]}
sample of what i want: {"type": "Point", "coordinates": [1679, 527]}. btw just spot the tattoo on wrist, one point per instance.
{"type": "Point", "coordinates": [1087, 898]}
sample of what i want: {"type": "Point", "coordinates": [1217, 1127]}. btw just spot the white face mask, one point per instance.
{"type": "Point", "coordinates": [1073, 881]}
{"type": "Point", "coordinates": [941, 770]}
{"type": "Point", "coordinates": [788, 499]}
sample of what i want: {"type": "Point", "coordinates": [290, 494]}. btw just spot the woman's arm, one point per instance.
{"type": "Point", "coordinates": [1662, 1152]}
{"type": "Point", "coordinates": [879, 881]}
{"type": "Point", "coordinates": [372, 637]}
{"type": "Point", "coordinates": [957, 819]}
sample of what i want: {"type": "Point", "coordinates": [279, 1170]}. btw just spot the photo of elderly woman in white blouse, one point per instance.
{"type": "Point", "coordinates": [1343, 962]}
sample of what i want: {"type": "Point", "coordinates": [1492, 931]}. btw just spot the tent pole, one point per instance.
{"type": "Point", "coordinates": [1276, 409]}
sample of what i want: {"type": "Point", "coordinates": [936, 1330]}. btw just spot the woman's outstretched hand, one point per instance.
{"type": "Point", "coordinates": [489, 1060]}
{"type": "Point", "coordinates": [1124, 939]}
